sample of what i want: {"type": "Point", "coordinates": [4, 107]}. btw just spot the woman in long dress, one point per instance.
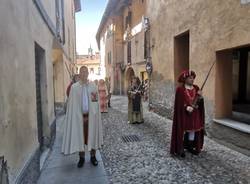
{"type": "Point", "coordinates": [135, 91]}
{"type": "Point", "coordinates": [103, 95]}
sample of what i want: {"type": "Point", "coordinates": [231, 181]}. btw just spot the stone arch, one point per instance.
{"type": "Point", "coordinates": [129, 74]}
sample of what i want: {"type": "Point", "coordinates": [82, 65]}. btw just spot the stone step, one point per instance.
{"type": "Point", "coordinates": [240, 126]}
{"type": "Point", "coordinates": [241, 117]}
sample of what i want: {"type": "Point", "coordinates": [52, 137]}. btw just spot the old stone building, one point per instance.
{"type": "Point", "coordinates": [37, 41]}
{"type": "Point", "coordinates": [194, 35]}
{"type": "Point", "coordinates": [173, 36]}
{"type": "Point", "coordinates": [121, 40]}
{"type": "Point", "coordinates": [92, 61]}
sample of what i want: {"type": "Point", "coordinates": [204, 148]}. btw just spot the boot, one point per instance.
{"type": "Point", "coordinates": [81, 162]}
{"type": "Point", "coordinates": [93, 158]}
{"type": "Point", "coordinates": [81, 159]}
{"type": "Point", "coordinates": [191, 148]}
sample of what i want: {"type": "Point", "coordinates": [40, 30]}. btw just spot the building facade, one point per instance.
{"type": "Point", "coordinates": [93, 64]}
{"type": "Point", "coordinates": [172, 36]}
{"type": "Point", "coordinates": [195, 35]}
{"type": "Point", "coordinates": [37, 41]}
{"type": "Point", "coordinates": [121, 40]}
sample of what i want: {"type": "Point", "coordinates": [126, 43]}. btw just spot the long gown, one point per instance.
{"type": "Point", "coordinates": [184, 122]}
{"type": "Point", "coordinates": [135, 111]}
{"type": "Point", "coordinates": [103, 97]}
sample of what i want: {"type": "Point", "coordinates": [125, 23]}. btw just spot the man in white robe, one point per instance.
{"type": "Point", "coordinates": [82, 124]}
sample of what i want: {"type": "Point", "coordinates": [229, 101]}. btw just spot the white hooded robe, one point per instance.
{"type": "Point", "coordinates": [73, 135]}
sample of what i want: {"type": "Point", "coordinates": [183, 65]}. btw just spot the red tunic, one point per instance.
{"type": "Point", "coordinates": [184, 121]}
{"type": "Point", "coordinates": [68, 88]}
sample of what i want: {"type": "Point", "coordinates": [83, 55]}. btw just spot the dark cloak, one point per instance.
{"type": "Point", "coordinates": [181, 123]}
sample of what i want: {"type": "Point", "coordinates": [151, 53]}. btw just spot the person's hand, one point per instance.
{"type": "Point", "coordinates": [190, 109]}
{"type": "Point", "coordinates": [94, 96]}
{"type": "Point", "coordinates": [199, 92]}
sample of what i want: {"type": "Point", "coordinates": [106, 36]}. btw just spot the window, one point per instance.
{"type": "Point", "coordinates": [146, 47]}
{"type": "Point", "coordinates": [60, 25]}
{"type": "Point", "coordinates": [110, 30]}
{"type": "Point", "coordinates": [69, 44]}
{"type": "Point", "coordinates": [129, 19]}
{"type": "Point", "coordinates": [91, 70]}
{"type": "Point", "coordinates": [109, 57]}
{"type": "Point", "coordinates": [99, 71]}
{"type": "Point", "coordinates": [129, 52]}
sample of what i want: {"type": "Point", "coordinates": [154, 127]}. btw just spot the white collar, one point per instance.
{"type": "Point", "coordinates": [188, 86]}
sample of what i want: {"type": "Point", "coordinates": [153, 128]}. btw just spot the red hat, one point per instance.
{"type": "Point", "coordinates": [185, 74]}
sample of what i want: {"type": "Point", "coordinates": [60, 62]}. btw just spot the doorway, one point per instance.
{"type": "Point", "coordinates": [40, 78]}
{"type": "Point", "coordinates": [241, 84]}
{"type": "Point", "coordinates": [181, 54]}
{"type": "Point", "coordinates": [232, 87]}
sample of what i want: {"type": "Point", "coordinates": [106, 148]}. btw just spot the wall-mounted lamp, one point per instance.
{"type": "Point", "coordinates": [149, 66]}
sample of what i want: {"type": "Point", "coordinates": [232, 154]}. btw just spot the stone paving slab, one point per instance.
{"type": "Point", "coordinates": [149, 161]}
{"type": "Point", "coordinates": [61, 169]}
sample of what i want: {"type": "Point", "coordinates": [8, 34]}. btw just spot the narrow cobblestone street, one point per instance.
{"type": "Point", "coordinates": [149, 160]}
{"type": "Point", "coordinates": [63, 61]}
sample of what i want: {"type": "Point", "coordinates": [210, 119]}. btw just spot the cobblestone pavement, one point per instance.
{"type": "Point", "coordinates": [61, 169]}
{"type": "Point", "coordinates": [149, 160]}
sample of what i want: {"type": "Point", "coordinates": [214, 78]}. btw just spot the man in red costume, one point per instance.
{"type": "Point", "coordinates": [188, 122]}
{"type": "Point", "coordinates": [74, 80]}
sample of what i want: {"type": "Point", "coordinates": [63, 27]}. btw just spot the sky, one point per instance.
{"type": "Point", "coordinates": [87, 23]}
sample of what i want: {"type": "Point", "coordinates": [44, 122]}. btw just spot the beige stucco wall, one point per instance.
{"type": "Point", "coordinates": [59, 89]}
{"type": "Point", "coordinates": [137, 49]}
{"type": "Point", "coordinates": [21, 27]}
{"type": "Point", "coordinates": [118, 46]}
{"type": "Point", "coordinates": [107, 45]}
{"type": "Point", "coordinates": [50, 9]}
{"type": "Point", "coordinates": [70, 35]}
{"type": "Point", "coordinates": [138, 9]}
{"type": "Point", "coordinates": [213, 25]}
{"type": "Point", "coordinates": [137, 41]}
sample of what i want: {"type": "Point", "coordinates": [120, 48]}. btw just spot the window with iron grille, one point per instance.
{"type": "Point", "coordinates": [145, 44]}
{"type": "Point", "coordinates": [129, 52]}
{"type": "Point", "coordinates": [129, 19]}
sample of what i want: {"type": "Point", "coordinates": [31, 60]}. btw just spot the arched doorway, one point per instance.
{"type": "Point", "coordinates": [128, 77]}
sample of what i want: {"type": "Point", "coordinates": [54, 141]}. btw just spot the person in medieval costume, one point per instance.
{"type": "Point", "coordinates": [82, 123]}
{"type": "Point", "coordinates": [188, 121]}
{"type": "Point", "coordinates": [107, 81]}
{"type": "Point", "coordinates": [96, 82]}
{"type": "Point", "coordinates": [75, 79]}
{"type": "Point", "coordinates": [135, 92]}
{"type": "Point", "coordinates": [103, 93]}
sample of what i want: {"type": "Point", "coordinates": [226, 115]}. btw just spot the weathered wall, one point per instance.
{"type": "Point", "coordinates": [108, 46]}
{"type": "Point", "coordinates": [118, 54]}
{"type": "Point", "coordinates": [137, 8]}
{"type": "Point", "coordinates": [22, 27]}
{"type": "Point", "coordinates": [118, 47]}
{"type": "Point", "coordinates": [111, 42]}
{"type": "Point", "coordinates": [58, 81]}
{"type": "Point", "coordinates": [137, 41]}
{"type": "Point", "coordinates": [213, 25]}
